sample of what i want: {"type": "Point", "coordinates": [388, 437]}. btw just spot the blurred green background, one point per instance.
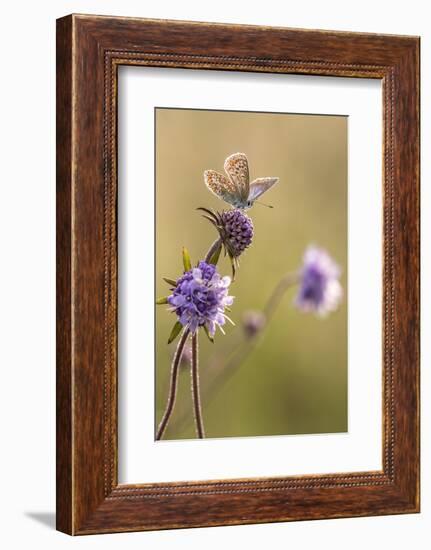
{"type": "Point", "coordinates": [295, 380]}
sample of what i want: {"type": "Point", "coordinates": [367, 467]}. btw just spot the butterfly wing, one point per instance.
{"type": "Point", "coordinates": [236, 167]}
{"type": "Point", "coordinates": [221, 186]}
{"type": "Point", "coordinates": [259, 186]}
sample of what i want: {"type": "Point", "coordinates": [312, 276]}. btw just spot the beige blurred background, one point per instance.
{"type": "Point", "coordinates": [295, 381]}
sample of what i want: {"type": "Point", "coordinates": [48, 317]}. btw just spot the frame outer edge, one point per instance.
{"type": "Point", "coordinates": [407, 280]}
{"type": "Point", "coordinates": [64, 368]}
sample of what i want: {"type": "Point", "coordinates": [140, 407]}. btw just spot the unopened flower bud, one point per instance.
{"type": "Point", "coordinates": [253, 322]}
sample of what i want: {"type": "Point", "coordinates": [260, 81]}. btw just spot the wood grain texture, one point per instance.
{"type": "Point", "coordinates": [90, 49]}
{"type": "Point", "coordinates": [64, 497]}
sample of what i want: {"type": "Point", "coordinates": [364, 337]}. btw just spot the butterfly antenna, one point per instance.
{"type": "Point", "coordinates": [263, 204]}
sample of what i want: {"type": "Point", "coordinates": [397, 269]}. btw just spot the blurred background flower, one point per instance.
{"type": "Point", "coordinates": [253, 322]}
{"type": "Point", "coordinates": [320, 289]}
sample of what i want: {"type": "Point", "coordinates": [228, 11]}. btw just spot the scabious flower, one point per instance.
{"type": "Point", "coordinates": [236, 230]}
{"type": "Point", "coordinates": [200, 297]}
{"type": "Point", "coordinates": [320, 290]}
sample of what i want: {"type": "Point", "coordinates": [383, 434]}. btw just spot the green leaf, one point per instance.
{"type": "Point", "coordinates": [171, 282]}
{"type": "Point", "coordinates": [161, 301]}
{"type": "Point", "coordinates": [175, 331]}
{"type": "Point", "coordinates": [210, 338]}
{"type": "Point", "coordinates": [216, 254]}
{"type": "Point", "coordinates": [186, 259]}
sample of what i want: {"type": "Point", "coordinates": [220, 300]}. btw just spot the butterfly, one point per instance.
{"type": "Point", "coordinates": [235, 188]}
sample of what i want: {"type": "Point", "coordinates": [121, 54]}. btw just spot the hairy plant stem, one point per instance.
{"type": "Point", "coordinates": [194, 371]}
{"type": "Point", "coordinates": [196, 389]}
{"type": "Point", "coordinates": [173, 384]}
{"type": "Point", "coordinates": [212, 249]}
{"type": "Point", "coordinates": [244, 348]}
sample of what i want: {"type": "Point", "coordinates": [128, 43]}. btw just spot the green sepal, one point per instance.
{"type": "Point", "coordinates": [161, 301]}
{"type": "Point", "coordinates": [171, 282]}
{"type": "Point", "coordinates": [215, 224]}
{"type": "Point", "coordinates": [186, 259]}
{"type": "Point", "coordinates": [210, 338]}
{"type": "Point", "coordinates": [210, 212]}
{"type": "Point", "coordinates": [176, 329]}
{"type": "Point", "coordinates": [216, 254]}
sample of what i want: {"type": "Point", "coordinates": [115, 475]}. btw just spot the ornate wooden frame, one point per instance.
{"type": "Point", "coordinates": [89, 51]}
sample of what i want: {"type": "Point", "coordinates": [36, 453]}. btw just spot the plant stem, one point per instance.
{"type": "Point", "coordinates": [173, 384]}
{"type": "Point", "coordinates": [195, 388]}
{"type": "Point", "coordinates": [212, 249]}
{"type": "Point", "coordinates": [274, 300]}
{"type": "Point", "coordinates": [244, 348]}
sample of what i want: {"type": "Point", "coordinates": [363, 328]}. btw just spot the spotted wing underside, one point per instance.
{"type": "Point", "coordinates": [236, 167]}
{"type": "Point", "coordinates": [221, 186]}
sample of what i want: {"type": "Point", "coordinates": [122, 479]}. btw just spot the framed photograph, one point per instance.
{"type": "Point", "coordinates": [237, 274]}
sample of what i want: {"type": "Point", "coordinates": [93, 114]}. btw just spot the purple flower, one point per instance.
{"type": "Point", "coordinates": [320, 290]}
{"type": "Point", "coordinates": [236, 230]}
{"type": "Point", "coordinates": [200, 298]}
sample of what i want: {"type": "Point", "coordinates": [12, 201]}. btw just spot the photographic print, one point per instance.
{"type": "Point", "coordinates": [251, 274]}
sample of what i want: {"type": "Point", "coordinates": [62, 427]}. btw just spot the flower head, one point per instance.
{"type": "Point", "coordinates": [320, 290]}
{"type": "Point", "coordinates": [235, 230]}
{"type": "Point", "coordinates": [200, 297]}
